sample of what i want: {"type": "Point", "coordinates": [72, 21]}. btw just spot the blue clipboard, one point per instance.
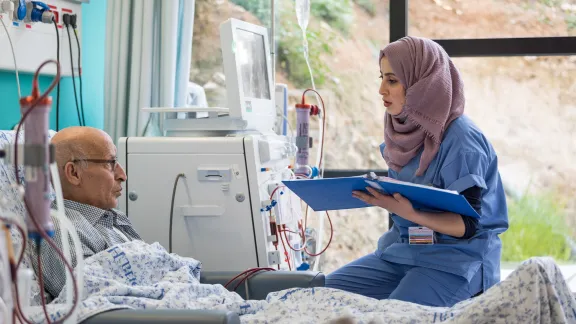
{"type": "Point", "coordinates": [336, 194]}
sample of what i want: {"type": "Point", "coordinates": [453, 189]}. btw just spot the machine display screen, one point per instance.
{"type": "Point", "coordinates": [251, 57]}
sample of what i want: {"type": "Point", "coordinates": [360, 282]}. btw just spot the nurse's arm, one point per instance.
{"type": "Point", "coordinates": [445, 223]}
{"type": "Point", "coordinates": [474, 196]}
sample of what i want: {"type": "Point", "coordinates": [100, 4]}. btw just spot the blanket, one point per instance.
{"type": "Point", "coordinates": [144, 276]}
{"type": "Point", "coordinates": [139, 275]}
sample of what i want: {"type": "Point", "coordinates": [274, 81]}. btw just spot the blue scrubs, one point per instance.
{"type": "Point", "coordinates": [451, 269]}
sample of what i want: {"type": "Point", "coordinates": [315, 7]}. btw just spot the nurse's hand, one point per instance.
{"type": "Point", "coordinates": [395, 204]}
{"type": "Point", "coordinates": [445, 223]}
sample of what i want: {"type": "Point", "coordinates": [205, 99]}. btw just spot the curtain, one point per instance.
{"type": "Point", "coordinates": [148, 54]}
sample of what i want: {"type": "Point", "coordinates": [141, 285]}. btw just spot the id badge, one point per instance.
{"type": "Point", "coordinates": [420, 235]}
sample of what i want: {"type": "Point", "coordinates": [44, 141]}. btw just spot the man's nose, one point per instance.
{"type": "Point", "coordinates": [120, 173]}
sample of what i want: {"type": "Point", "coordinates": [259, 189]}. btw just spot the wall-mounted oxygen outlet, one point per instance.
{"type": "Point", "coordinates": [31, 28]}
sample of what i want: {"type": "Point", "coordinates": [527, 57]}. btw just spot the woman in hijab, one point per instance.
{"type": "Point", "coordinates": [430, 258]}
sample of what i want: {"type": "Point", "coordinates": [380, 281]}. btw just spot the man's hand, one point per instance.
{"type": "Point", "coordinates": [395, 204]}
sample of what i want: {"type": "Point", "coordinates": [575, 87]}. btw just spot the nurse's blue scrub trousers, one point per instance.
{"type": "Point", "coordinates": [373, 277]}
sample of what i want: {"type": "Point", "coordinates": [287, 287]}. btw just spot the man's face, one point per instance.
{"type": "Point", "coordinates": [102, 176]}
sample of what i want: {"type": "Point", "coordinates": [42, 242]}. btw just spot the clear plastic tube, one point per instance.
{"type": "Point", "coordinates": [5, 292]}
{"type": "Point", "coordinates": [68, 229]}
{"type": "Point", "coordinates": [5, 312]}
{"type": "Point", "coordinates": [303, 17]}
{"type": "Point", "coordinates": [64, 229]}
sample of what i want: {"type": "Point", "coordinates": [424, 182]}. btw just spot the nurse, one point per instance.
{"type": "Point", "coordinates": [428, 141]}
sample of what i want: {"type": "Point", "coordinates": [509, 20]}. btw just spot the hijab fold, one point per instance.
{"type": "Point", "coordinates": [434, 98]}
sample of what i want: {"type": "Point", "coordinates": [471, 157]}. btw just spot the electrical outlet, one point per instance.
{"type": "Point", "coordinates": [33, 29]}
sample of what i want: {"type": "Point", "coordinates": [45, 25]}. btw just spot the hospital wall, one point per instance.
{"type": "Point", "coordinates": [93, 43]}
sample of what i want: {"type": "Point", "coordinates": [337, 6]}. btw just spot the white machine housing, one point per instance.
{"type": "Point", "coordinates": [232, 161]}
{"type": "Point", "coordinates": [218, 215]}
{"type": "Point", "coordinates": [249, 86]}
{"type": "Point", "coordinates": [247, 65]}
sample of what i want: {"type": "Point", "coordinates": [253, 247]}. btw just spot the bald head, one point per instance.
{"type": "Point", "coordinates": [89, 174]}
{"type": "Point", "coordinates": [76, 143]}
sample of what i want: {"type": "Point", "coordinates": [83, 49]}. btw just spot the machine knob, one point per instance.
{"type": "Point", "coordinates": [133, 195]}
{"type": "Point", "coordinates": [240, 197]}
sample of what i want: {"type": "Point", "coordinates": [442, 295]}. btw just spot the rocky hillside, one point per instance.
{"type": "Point", "coordinates": [525, 105]}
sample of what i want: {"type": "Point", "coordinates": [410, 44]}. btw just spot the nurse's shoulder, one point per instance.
{"type": "Point", "coordinates": [463, 136]}
{"type": "Point", "coordinates": [465, 158]}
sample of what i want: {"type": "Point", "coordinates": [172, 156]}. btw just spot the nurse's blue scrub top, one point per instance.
{"type": "Point", "coordinates": [465, 159]}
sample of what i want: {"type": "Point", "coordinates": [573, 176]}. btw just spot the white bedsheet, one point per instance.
{"type": "Point", "coordinates": [140, 275]}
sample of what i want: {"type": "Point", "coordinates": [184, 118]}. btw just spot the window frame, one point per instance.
{"type": "Point", "coordinates": [475, 47]}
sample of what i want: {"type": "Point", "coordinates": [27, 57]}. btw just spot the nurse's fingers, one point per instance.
{"type": "Point", "coordinates": [375, 198]}
{"type": "Point", "coordinates": [367, 198]}
{"type": "Point", "coordinates": [375, 192]}
{"type": "Point", "coordinates": [400, 198]}
{"type": "Point", "coordinates": [361, 195]}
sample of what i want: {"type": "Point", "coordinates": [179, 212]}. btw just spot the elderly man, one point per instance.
{"type": "Point", "coordinates": [91, 184]}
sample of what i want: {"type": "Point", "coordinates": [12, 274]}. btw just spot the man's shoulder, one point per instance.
{"type": "Point", "coordinates": [76, 217]}
{"type": "Point", "coordinates": [87, 232]}
{"type": "Point", "coordinates": [118, 212]}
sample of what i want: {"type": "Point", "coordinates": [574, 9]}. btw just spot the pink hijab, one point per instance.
{"type": "Point", "coordinates": [434, 98]}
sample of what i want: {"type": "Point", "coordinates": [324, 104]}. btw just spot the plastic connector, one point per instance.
{"type": "Point", "coordinates": [25, 277]}
{"type": "Point", "coordinates": [9, 153]}
{"type": "Point", "coordinates": [73, 21]}
{"type": "Point", "coordinates": [37, 11]}
{"type": "Point", "coordinates": [314, 110]}
{"type": "Point", "coordinates": [47, 17]}
{"type": "Point", "coordinates": [273, 258]}
{"type": "Point", "coordinates": [7, 7]}
{"type": "Point", "coordinates": [52, 152]}
{"type": "Point", "coordinates": [19, 10]}
{"type": "Point", "coordinates": [66, 20]}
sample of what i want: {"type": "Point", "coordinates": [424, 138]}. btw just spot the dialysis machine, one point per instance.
{"type": "Point", "coordinates": [211, 187]}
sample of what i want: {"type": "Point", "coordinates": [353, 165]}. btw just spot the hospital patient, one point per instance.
{"type": "Point", "coordinates": [91, 184]}
{"type": "Point", "coordinates": [429, 141]}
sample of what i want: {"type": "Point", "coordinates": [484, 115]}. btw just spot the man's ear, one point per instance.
{"type": "Point", "coordinates": [73, 173]}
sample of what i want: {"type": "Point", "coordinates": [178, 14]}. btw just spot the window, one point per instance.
{"type": "Point", "coordinates": [206, 67]}
{"type": "Point", "coordinates": [444, 19]}
{"type": "Point", "coordinates": [526, 106]}
{"type": "Point", "coordinates": [344, 38]}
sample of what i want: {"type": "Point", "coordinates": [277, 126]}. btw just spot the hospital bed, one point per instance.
{"type": "Point", "coordinates": [256, 287]}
